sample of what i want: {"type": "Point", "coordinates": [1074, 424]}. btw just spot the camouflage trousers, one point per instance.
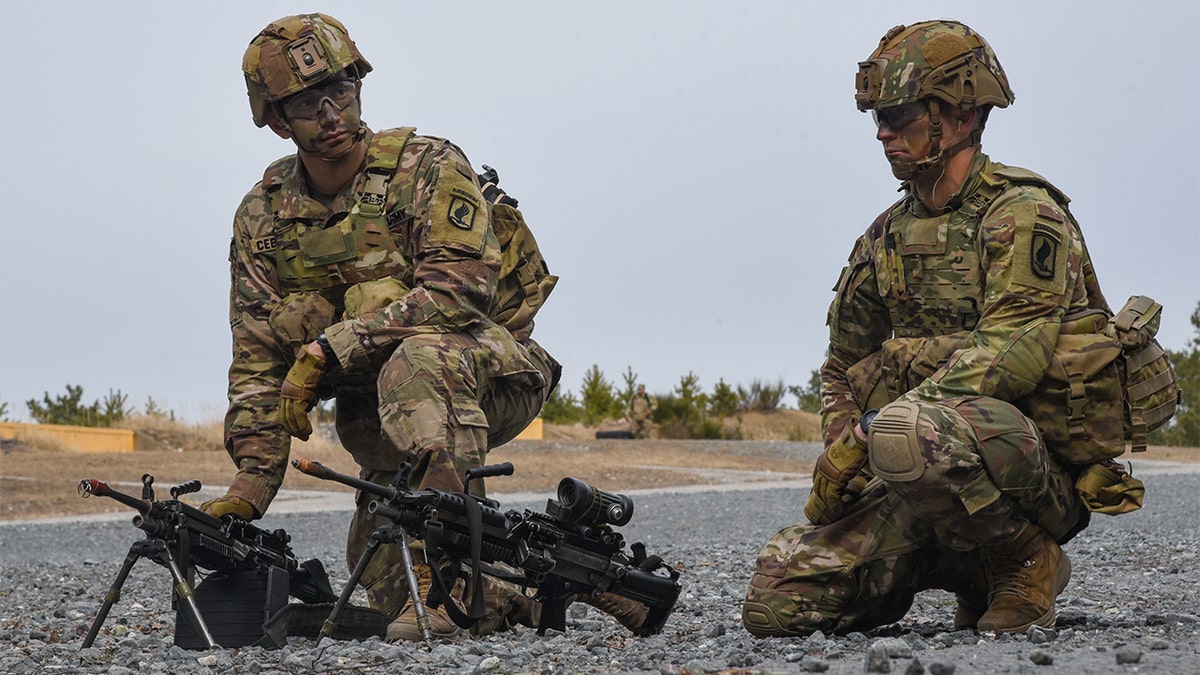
{"type": "Point", "coordinates": [436, 407]}
{"type": "Point", "coordinates": [979, 473]}
{"type": "Point", "coordinates": [642, 426]}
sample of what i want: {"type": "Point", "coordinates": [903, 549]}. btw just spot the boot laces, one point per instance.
{"type": "Point", "coordinates": [1010, 576]}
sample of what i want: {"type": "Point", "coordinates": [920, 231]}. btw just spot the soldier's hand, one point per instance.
{"type": "Point", "coordinates": [223, 506]}
{"type": "Point", "coordinates": [299, 392]}
{"type": "Point", "coordinates": [837, 478]}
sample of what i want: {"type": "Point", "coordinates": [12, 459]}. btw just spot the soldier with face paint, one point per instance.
{"type": "Point", "coordinates": [365, 268]}
{"type": "Point", "coordinates": [941, 331]}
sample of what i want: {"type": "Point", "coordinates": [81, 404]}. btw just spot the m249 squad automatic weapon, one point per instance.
{"type": "Point", "coordinates": [251, 572]}
{"type": "Point", "coordinates": [569, 550]}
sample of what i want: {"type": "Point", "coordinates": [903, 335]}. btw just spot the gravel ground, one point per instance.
{"type": "Point", "coordinates": [1132, 605]}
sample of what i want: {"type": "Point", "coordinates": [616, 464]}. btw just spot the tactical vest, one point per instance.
{"type": "Point", "coordinates": [1108, 381]}
{"type": "Point", "coordinates": [928, 269]}
{"type": "Point", "coordinates": [362, 247]}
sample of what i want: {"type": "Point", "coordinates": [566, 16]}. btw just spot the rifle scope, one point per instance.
{"type": "Point", "coordinates": [581, 502]}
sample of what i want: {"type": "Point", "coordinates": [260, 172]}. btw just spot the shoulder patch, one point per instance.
{"type": "Point", "coordinates": [459, 219]}
{"type": "Point", "coordinates": [1040, 246]}
{"type": "Point", "coordinates": [1043, 251]}
{"type": "Point", "coordinates": [462, 209]}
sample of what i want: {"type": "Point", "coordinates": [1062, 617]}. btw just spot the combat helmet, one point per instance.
{"type": "Point", "coordinates": [932, 61]}
{"type": "Point", "coordinates": [294, 53]}
{"type": "Point", "coordinates": [942, 58]}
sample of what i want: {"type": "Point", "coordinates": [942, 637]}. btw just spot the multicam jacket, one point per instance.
{"type": "Point", "coordinates": [296, 265]}
{"type": "Point", "coordinates": [969, 302]}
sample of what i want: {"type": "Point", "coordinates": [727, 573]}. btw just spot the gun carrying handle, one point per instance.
{"type": "Point", "coordinates": [505, 469]}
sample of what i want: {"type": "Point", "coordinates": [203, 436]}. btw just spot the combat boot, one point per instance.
{"type": "Point", "coordinates": [969, 610]}
{"type": "Point", "coordinates": [961, 573]}
{"type": "Point", "coordinates": [970, 592]}
{"type": "Point", "coordinates": [629, 613]}
{"type": "Point", "coordinates": [1025, 577]}
{"type": "Point", "coordinates": [406, 625]}
{"type": "Point", "coordinates": [515, 609]}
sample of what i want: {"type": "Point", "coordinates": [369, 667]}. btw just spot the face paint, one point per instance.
{"type": "Point", "coordinates": [332, 134]}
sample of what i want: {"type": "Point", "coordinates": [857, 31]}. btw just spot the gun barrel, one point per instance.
{"type": "Point", "coordinates": [319, 470]}
{"type": "Point", "coordinates": [90, 486]}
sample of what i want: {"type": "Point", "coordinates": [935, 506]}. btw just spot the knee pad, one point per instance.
{"type": "Point", "coordinates": [761, 622]}
{"type": "Point", "coordinates": [892, 446]}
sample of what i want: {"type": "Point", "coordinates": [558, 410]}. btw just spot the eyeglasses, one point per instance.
{"type": "Point", "coordinates": [307, 104]}
{"type": "Point", "coordinates": [898, 117]}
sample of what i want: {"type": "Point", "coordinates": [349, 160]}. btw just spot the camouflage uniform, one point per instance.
{"type": "Point", "coordinates": [425, 376]}
{"type": "Point", "coordinates": [641, 411]}
{"type": "Point", "coordinates": [951, 319]}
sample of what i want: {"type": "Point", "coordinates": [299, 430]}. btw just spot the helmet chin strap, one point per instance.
{"type": "Point", "coordinates": [358, 137]}
{"type": "Point", "coordinates": [937, 155]}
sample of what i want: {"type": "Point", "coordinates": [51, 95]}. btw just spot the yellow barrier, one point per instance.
{"type": "Point", "coordinates": [80, 439]}
{"type": "Point", "coordinates": [533, 432]}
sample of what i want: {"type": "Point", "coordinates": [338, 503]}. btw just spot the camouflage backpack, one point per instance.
{"type": "Point", "coordinates": [1114, 380]}
{"type": "Point", "coordinates": [525, 280]}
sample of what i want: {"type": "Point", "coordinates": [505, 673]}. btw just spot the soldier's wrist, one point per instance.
{"type": "Point", "coordinates": [331, 359]}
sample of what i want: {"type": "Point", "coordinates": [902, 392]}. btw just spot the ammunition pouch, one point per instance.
{"type": "Point", "coordinates": [1107, 487]}
{"type": "Point", "coordinates": [1109, 382]}
{"type": "Point", "coordinates": [899, 366]}
{"type": "Point", "coordinates": [299, 318]}
{"type": "Point", "coordinates": [1151, 391]}
{"type": "Point", "coordinates": [1077, 405]}
{"type": "Point", "coordinates": [369, 297]}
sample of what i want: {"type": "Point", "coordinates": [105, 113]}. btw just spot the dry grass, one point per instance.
{"type": "Point", "coordinates": [41, 481]}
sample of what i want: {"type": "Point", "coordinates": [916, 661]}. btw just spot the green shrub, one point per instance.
{"type": "Point", "coordinates": [562, 408]}
{"type": "Point", "coordinates": [762, 396]}
{"type": "Point", "coordinates": [70, 409]}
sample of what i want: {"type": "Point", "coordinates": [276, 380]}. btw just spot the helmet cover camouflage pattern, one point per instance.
{"type": "Point", "coordinates": [294, 53]}
{"type": "Point", "coordinates": [940, 58]}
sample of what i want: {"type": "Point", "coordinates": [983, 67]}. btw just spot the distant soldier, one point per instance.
{"type": "Point", "coordinates": [945, 320]}
{"type": "Point", "coordinates": [640, 412]}
{"type": "Point", "coordinates": [367, 267]}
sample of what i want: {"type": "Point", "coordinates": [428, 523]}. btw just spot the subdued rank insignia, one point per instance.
{"type": "Point", "coordinates": [461, 212]}
{"type": "Point", "coordinates": [1043, 252]}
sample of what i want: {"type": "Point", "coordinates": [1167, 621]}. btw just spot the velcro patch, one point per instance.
{"type": "Point", "coordinates": [1043, 252]}
{"type": "Point", "coordinates": [1040, 246]}
{"type": "Point", "coordinates": [456, 213]}
{"type": "Point", "coordinates": [263, 244]}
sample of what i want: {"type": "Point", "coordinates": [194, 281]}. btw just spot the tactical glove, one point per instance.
{"type": "Point", "coordinates": [837, 478]}
{"type": "Point", "coordinates": [299, 393]}
{"type": "Point", "coordinates": [223, 506]}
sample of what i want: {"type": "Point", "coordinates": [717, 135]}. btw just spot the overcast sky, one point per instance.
{"type": "Point", "coordinates": [695, 171]}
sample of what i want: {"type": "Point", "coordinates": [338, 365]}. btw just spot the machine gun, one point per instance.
{"type": "Point", "coordinates": [571, 549]}
{"type": "Point", "coordinates": [252, 571]}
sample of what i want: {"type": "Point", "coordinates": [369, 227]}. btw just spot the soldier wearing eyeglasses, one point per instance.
{"type": "Point", "coordinates": [950, 459]}
{"type": "Point", "coordinates": [365, 269]}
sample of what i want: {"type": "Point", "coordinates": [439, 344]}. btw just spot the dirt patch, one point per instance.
{"type": "Point", "coordinates": [37, 482]}
{"type": "Point", "coordinates": [41, 482]}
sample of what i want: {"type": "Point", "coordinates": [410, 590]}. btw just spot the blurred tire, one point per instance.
{"type": "Point", "coordinates": [615, 434]}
